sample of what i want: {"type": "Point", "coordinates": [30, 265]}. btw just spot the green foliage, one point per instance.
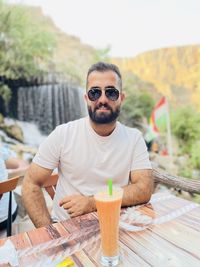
{"type": "Point", "coordinates": [195, 155]}
{"type": "Point", "coordinates": [25, 45]}
{"type": "Point", "coordinates": [102, 54]}
{"type": "Point", "coordinates": [136, 107]}
{"type": "Point", "coordinates": [185, 172]}
{"type": "Point", "coordinates": [138, 103]}
{"type": "Point", "coordinates": [5, 93]}
{"type": "Point", "coordinates": [146, 103]}
{"type": "Point", "coordinates": [72, 72]}
{"type": "Point", "coordinates": [1, 119]}
{"type": "Point", "coordinates": [186, 127]}
{"type": "Point", "coordinates": [197, 198]}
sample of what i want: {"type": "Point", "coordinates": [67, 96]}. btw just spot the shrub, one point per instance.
{"type": "Point", "coordinates": [195, 155]}
{"type": "Point", "coordinates": [186, 127]}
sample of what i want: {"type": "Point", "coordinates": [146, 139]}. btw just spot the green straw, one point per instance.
{"type": "Point", "coordinates": [110, 187]}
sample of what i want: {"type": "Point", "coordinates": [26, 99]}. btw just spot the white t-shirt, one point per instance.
{"type": "Point", "coordinates": [86, 161]}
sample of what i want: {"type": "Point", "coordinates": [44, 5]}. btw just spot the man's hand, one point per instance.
{"type": "Point", "coordinates": [77, 205]}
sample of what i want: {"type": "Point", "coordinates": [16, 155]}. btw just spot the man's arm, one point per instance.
{"type": "Point", "coordinates": [140, 189]}
{"type": "Point", "coordinates": [138, 192]}
{"type": "Point", "coordinates": [32, 195]}
{"type": "Point", "coordinates": [11, 163]}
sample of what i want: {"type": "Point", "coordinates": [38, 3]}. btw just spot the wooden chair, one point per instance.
{"type": "Point", "coordinates": [50, 185]}
{"type": "Point", "coordinates": [10, 184]}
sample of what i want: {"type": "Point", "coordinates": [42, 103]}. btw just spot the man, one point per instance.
{"type": "Point", "coordinates": [87, 153]}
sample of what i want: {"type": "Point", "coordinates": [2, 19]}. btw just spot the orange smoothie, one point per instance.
{"type": "Point", "coordinates": [108, 209]}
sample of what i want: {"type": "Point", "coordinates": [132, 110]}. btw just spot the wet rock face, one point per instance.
{"type": "Point", "coordinates": [13, 131]}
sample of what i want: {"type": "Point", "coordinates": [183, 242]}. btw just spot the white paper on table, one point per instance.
{"type": "Point", "coordinates": [8, 254]}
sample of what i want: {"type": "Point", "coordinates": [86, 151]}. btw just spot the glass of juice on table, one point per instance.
{"type": "Point", "coordinates": [108, 204]}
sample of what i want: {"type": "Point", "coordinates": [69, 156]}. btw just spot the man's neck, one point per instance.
{"type": "Point", "coordinates": [103, 129]}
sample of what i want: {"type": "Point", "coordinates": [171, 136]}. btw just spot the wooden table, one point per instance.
{"type": "Point", "coordinates": [174, 239]}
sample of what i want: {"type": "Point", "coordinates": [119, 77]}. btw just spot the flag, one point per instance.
{"type": "Point", "coordinates": [159, 115]}
{"type": "Point", "coordinates": [158, 120]}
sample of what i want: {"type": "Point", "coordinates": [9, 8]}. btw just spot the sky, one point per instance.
{"type": "Point", "coordinates": [128, 27]}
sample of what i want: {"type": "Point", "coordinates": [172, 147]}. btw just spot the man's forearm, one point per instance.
{"type": "Point", "coordinates": [34, 202]}
{"type": "Point", "coordinates": [134, 195]}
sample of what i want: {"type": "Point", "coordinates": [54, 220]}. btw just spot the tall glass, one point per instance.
{"type": "Point", "coordinates": [108, 209]}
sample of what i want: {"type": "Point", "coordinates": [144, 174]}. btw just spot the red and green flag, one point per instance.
{"type": "Point", "coordinates": [158, 120]}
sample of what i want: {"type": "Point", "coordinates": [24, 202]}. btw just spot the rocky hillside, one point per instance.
{"type": "Point", "coordinates": [174, 72]}
{"type": "Point", "coordinates": [71, 56]}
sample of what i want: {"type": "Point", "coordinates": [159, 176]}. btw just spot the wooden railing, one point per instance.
{"type": "Point", "coordinates": [188, 185]}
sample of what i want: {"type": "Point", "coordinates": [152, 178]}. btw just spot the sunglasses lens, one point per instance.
{"type": "Point", "coordinates": [112, 94]}
{"type": "Point", "coordinates": [94, 94]}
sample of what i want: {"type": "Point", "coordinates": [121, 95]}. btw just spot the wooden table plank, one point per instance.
{"type": "Point", "coordinates": [82, 222]}
{"type": "Point", "coordinates": [157, 251]}
{"type": "Point", "coordinates": [127, 256]}
{"type": "Point", "coordinates": [20, 241]}
{"type": "Point", "coordinates": [180, 236]}
{"type": "Point", "coordinates": [81, 258]}
{"type": "Point", "coordinates": [190, 220]}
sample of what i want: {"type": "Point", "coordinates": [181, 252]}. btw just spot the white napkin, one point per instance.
{"type": "Point", "coordinates": [8, 254]}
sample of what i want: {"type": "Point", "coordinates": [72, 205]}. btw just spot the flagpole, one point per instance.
{"type": "Point", "coordinates": [169, 138]}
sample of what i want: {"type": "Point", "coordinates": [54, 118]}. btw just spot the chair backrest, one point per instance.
{"type": "Point", "coordinates": [10, 184]}
{"type": "Point", "coordinates": [50, 185]}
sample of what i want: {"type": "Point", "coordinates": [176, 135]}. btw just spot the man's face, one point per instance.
{"type": "Point", "coordinates": [103, 110]}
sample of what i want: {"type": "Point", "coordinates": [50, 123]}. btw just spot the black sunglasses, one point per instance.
{"type": "Point", "coordinates": [95, 93]}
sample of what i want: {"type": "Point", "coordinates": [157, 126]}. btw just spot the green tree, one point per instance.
{"type": "Point", "coordinates": [136, 106]}
{"type": "Point", "coordinates": [195, 155]}
{"type": "Point", "coordinates": [138, 103]}
{"type": "Point", "coordinates": [5, 93]}
{"type": "Point", "coordinates": [186, 127]}
{"type": "Point", "coordinates": [102, 54]}
{"type": "Point", "coordinates": [25, 45]}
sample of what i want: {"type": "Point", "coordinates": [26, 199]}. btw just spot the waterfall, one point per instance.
{"type": "Point", "coordinates": [50, 105]}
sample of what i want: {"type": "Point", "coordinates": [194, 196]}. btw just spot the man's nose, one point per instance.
{"type": "Point", "coordinates": [103, 98]}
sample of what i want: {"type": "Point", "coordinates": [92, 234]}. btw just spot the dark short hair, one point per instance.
{"type": "Point", "coordinates": [103, 67]}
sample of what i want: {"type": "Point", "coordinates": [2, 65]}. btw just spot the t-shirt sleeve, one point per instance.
{"type": "Point", "coordinates": [48, 155]}
{"type": "Point", "coordinates": [140, 155]}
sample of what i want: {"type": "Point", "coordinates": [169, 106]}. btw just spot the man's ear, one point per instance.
{"type": "Point", "coordinates": [123, 96]}
{"type": "Point", "coordinates": [85, 97]}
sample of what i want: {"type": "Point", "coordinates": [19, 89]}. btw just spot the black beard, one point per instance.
{"type": "Point", "coordinates": [103, 118]}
